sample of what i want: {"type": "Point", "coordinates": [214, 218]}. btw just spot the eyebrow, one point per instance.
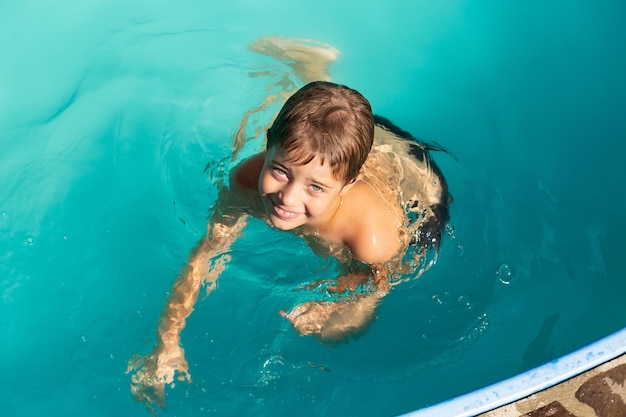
{"type": "Point", "coordinates": [313, 180]}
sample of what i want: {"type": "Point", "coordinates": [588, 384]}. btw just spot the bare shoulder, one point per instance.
{"type": "Point", "coordinates": [246, 174]}
{"type": "Point", "coordinates": [243, 191]}
{"type": "Point", "coordinates": [371, 224]}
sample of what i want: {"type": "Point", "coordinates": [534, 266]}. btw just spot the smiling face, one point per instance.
{"type": "Point", "coordinates": [298, 195]}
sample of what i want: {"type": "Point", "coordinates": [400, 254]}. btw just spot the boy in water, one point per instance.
{"type": "Point", "coordinates": [320, 179]}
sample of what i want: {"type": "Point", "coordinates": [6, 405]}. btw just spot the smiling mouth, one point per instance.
{"type": "Point", "coordinates": [284, 214]}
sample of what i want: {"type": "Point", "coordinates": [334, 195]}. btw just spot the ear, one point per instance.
{"type": "Point", "coordinates": [349, 185]}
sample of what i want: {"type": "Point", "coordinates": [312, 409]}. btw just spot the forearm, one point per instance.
{"type": "Point", "coordinates": [178, 307]}
{"type": "Point", "coordinates": [350, 318]}
{"type": "Point", "coordinates": [374, 277]}
{"type": "Point", "coordinates": [348, 315]}
{"type": "Point", "coordinates": [207, 261]}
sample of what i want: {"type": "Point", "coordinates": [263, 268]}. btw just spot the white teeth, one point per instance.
{"type": "Point", "coordinates": [284, 213]}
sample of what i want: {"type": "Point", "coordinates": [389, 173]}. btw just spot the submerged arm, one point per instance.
{"type": "Point", "coordinates": [374, 248]}
{"type": "Point", "coordinates": [335, 321]}
{"type": "Point", "coordinates": [206, 263]}
{"type": "Point", "coordinates": [150, 373]}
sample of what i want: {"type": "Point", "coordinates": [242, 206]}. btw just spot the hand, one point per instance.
{"type": "Point", "coordinates": [309, 318]}
{"type": "Point", "coordinates": [151, 372]}
{"type": "Point", "coordinates": [333, 322]}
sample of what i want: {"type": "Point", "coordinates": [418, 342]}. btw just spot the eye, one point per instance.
{"type": "Point", "coordinates": [279, 172]}
{"type": "Point", "coordinates": [316, 189]}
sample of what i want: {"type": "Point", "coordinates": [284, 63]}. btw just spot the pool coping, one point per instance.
{"type": "Point", "coordinates": [531, 381]}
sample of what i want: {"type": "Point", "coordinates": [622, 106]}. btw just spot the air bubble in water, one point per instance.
{"type": "Point", "coordinates": [441, 298]}
{"type": "Point", "coordinates": [465, 301]}
{"type": "Point", "coordinates": [30, 241]}
{"type": "Point", "coordinates": [437, 299]}
{"type": "Point", "coordinates": [505, 273]}
{"type": "Point", "coordinates": [450, 230]}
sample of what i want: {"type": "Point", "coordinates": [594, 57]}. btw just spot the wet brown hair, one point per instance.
{"type": "Point", "coordinates": [328, 121]}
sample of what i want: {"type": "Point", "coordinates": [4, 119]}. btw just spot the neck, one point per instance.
{"type": "Point", "coordinates": [324, 225]}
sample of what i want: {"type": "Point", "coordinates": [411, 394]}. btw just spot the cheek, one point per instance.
{"type": "Point", "coordinates": [317, 206]}
{"type": "Point", "coordinates": [267, 183]}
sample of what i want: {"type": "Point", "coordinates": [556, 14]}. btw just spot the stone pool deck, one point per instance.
{"type": "Point", "coordinates": [599, 392]}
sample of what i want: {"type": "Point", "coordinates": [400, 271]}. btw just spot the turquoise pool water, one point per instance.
{"type": "Point", "coordinates": [111, 111]}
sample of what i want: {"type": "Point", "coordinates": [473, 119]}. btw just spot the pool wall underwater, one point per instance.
{"type": "Point", "coordinates": [531, 381]}
{"type": "Point", "coordinates": [117, 119]}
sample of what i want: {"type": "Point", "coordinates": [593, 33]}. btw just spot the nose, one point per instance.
{"type": "Point", "coordinates": [289, 194]}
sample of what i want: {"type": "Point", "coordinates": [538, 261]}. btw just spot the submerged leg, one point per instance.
{"type": "Point", "coordinates": [297, 62]}
{"type": "Point", "coordinates": [309, 60]}
{"type": "Point", "coordinates": [428, 201]}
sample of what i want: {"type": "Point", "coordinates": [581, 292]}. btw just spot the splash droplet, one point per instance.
{"type": "Point", "coordinates": [505, 273]}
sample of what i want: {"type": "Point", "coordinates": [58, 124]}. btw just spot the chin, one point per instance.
{"type": "Point", "coordinates": [283, 224]}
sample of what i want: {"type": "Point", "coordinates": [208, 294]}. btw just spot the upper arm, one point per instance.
{"type": "Point", "coordinates": [246, 174]}
{"type": "Point", "coordinates": [379, 250]}
{"type": "Point", "coordinates": [230, 211]}
{"type": "Point", "coordinates": [375, 239]}
{"type": "Point", "coordinates": [233, 204]}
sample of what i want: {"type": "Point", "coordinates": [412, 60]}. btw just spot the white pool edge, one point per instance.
{"type": "Point", "coordinates": [529, 382]}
